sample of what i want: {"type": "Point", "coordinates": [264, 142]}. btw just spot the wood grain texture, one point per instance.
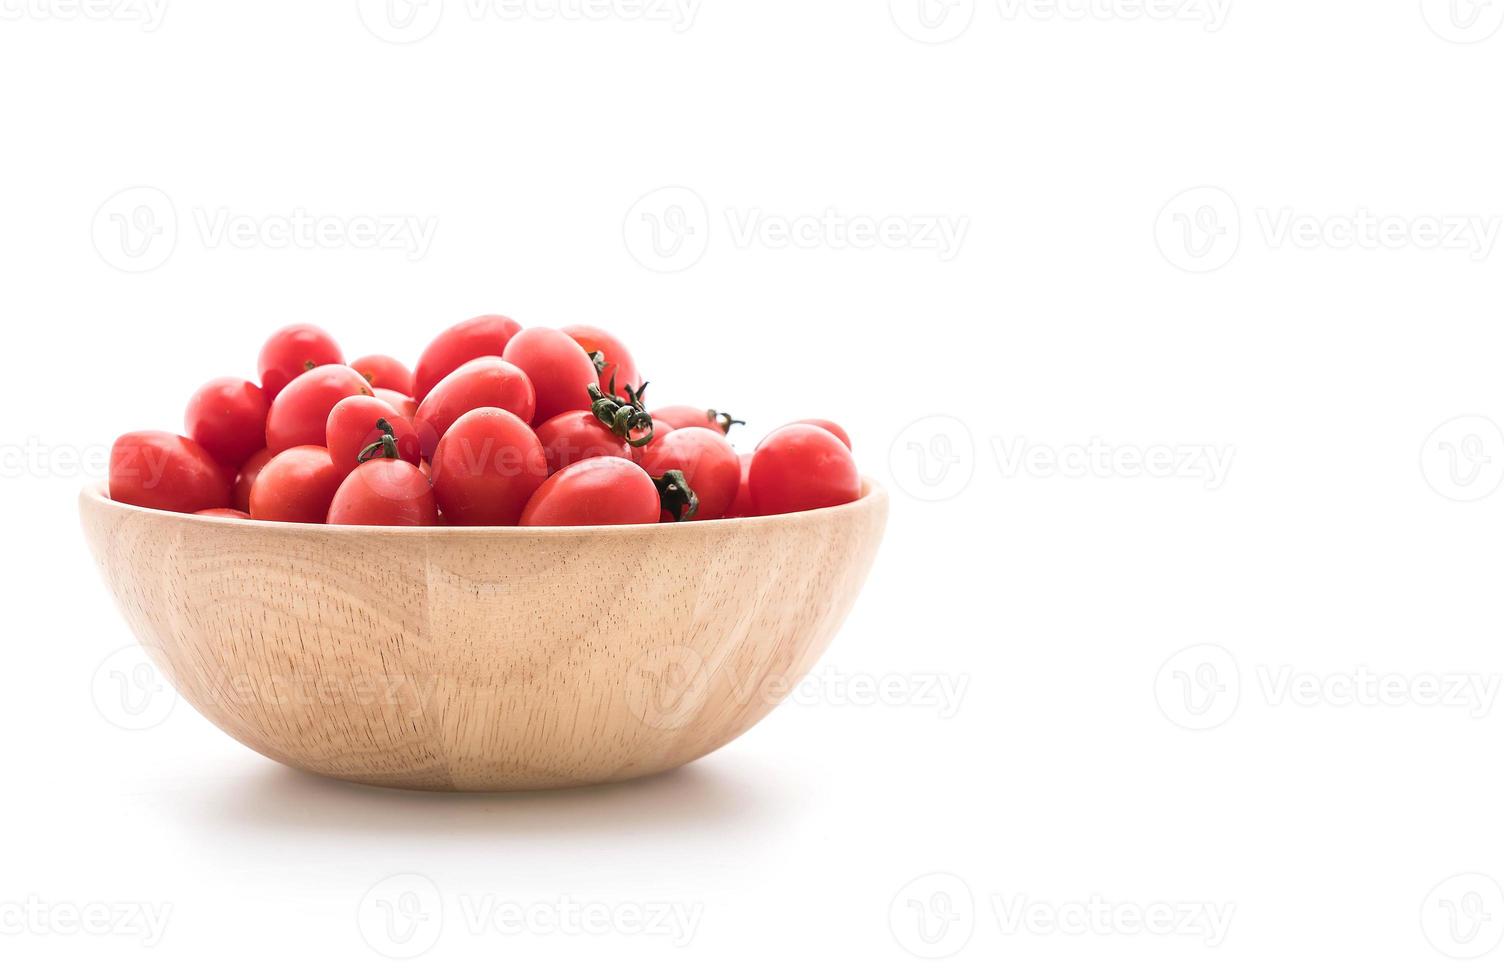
{"type": "Point", "coordinates": [484, 659]}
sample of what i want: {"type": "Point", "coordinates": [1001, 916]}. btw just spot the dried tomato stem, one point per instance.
{"type": "Point", "coordinates": [385, 446]}
{"type": "Point", "coordinates": [676, 496]}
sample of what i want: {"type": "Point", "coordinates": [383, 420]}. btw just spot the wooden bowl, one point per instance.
{"type": "Point", "coordinates": [484, 658]}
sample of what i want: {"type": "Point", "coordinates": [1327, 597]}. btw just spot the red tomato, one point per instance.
{"type": "Point", "coordinates": [559, 369]}
{"type": "Point", "coordinates": [828, 426]}
{"type": "Point", "coordinates": [247, 477]}
{"type": "Point", "coordinates": [381, 371]}
{"type": "Point", "coordinates": [596, 491]}
{"type": "Point", "coordinates": [386, 492]}
{"type": "Point", "coordinates": [689, 417]}
{"type": "Point", "coordinates": [619, 364]}
{"type": "Point", "coordinates": [166, 472]}
{"type": "Point", "coordinates": [291, 351]}
{"type": "Point", "coordinates": [478, 337]}
{"type": "Point", "coordinates": [708, 463]}
{"type": "Point", "coordinates": [296, 486]}
{"type": "Point", "coordinates": [576, 435]}
{"type": "Point", "coordinates": [802, 467]}
{"type": "Point", "coordinates": [486, 467]}
{"type": "Point", "coordinates": [485, 382]}
{"type": "Point", "coordinates": [660, 429]}
{"type": "Point", "coordinates": [352, 427]}
{"type": "Point", "coordinates": [742, 505]}
{"type": "Point", "coordinates": [231, 512]}
{"type": "Point", "coordinates": [227, 417]}
{"type": "Point", "coordinates": [405, 405]}
{"type": "Point", "coordinates": [300, 412]}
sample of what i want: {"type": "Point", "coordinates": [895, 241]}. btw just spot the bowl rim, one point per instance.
{"type": "Point", "coordinates": [873, 495]}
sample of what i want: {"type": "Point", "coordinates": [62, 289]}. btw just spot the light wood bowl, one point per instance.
{"type": "Point", "coordinates": [484, 659]}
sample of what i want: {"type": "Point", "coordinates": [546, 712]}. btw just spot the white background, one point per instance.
{"type": "Point", "coordinates": [1307, 311]}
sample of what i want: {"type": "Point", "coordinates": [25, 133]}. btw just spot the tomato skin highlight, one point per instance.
{"type": "Point", "coordinates": [352, 427]}
{"type": "Point", "coordinates": [741, 505]}
{"type": "Point", "coordinates": [165, 471]}
{"type": "Point", "coordinates": [404, 405]}
{"type": "Point", "coordinates": [486, 467]}
{"type": "Point", "coordinates": [685, 417]}
{"type": "Point", "coordinates": [241, 493]}
{"type": "Point", "coordinates": [290, 351]}
{"type": "Point", "coordinates": [828, 426]}
{"type": "Point", "coordinates": [226, 512]}
{"type": "Point", "coordinates": [601, 490]}
{"type": "Point", "coordinates": [227, 416]}
{"type": "Point", "coordinates": [296, 486]}
{"type": "Point", "coordinates": [802, 467]}
{"type": "Point", "coordinates": [381, 371]}
{"type": "Point", "coordinates": [385, 493]}
{"type": "Point", "coordinates": [485, 382]}
{"type": "Point", "coordinates": [477, 337]}
{"type": "Point", "coordinates": [619, 362]}
{"type": "Point", "coordinates": [709, 464]}
{"type": "Point", "coordinates": [300, 413]}
{"type": "Point", "coordinates": [575, 435]}
{"type": "Point", "coordinates": [558, 367]}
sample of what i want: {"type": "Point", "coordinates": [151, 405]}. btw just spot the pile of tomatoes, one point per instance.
{"type": "Point", "coordinates": [497, 426]}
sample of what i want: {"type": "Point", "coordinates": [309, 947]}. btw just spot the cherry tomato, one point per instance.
{"type": "Point", "coordinates": [386, 492]}
{"type": "Point", "coordinates": [660, 429]}
{"type": "Point", "coordinates": [619, 363]}
{"type": "Point", "coordinates": [247, 477]}
{"type": "Point", "coordinates": [477, 337]}
{"type": "Point", "coordinates": [689, 417]}
{"type": "Point", "coordinates": [227, 416]}
{"type": "Point", "coordinates": [299, 414]}
{"type": "Point", "coordinates": [828, 426]}
{"type": "Point", "coordinates": [576, 435]}
{"type": "Point", "coordinates": [231, 512]}
{"type": "Point", "coordinates": [486, 467]}
{"type": "Point", "coordinates": [559, 369]}
{"type": "Point", "coordinates": [296, 486]}
{"type": "Point", "coordinates": [405, 405]}
{"type": "Point", "coordinates": [291, 351]}
{"type": "Point", "coordinates": [741, 506]}
{"type": "Point", "coordinates": [708, 463]}
{"type": "Point", "coordinates": [381, 371]}
{"type": "Point", "coordinates": [164, 471]}
{"type": "Point", "coordinates": [802, 467]}
{"type": "Point", "coordinates": [484, 382]}
{"type": "Point", "coordinates": [352, 427]}
{"type": "Point", "coordinates": [596, 491]}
